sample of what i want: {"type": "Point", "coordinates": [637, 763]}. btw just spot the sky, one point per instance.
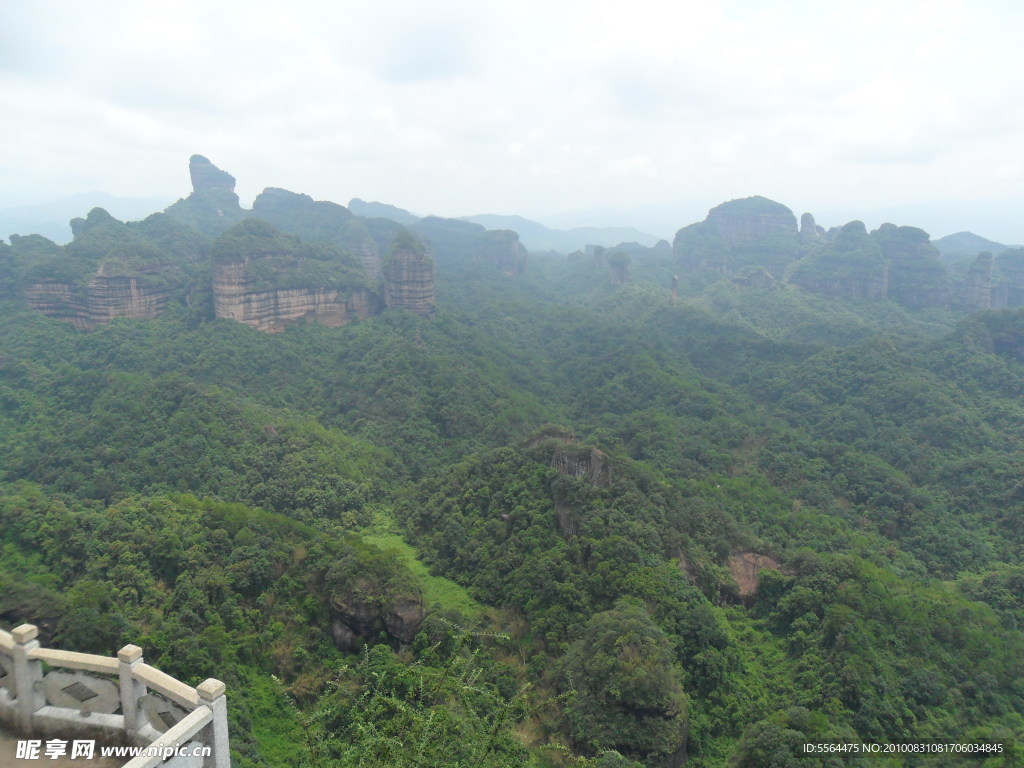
{"type": "Point", "coordinates": [573, 113]}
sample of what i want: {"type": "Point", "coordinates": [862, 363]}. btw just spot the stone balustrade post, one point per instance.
{"type": "Point", "coordinates": [28, 675]}
{"type": "Point", "coordinates": [132, 690]}
{"type": "Point", "coordinates": [211, 693]}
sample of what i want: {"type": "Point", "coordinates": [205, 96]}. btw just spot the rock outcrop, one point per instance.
{"type": "Point", "coordinates": [502, 249]}
{"type": "Point", "coordinates": [355, 619]}
{"type": "Point", "coordinates": [619, 266]}
{"type": "Point", "coordinates": [746, 568]}
{"type": "Point", "coordinates": [102, 300]}
{"type": "Point", "coordinates": [206, 176]}
{"type": "Point", "coordinates": [409, 276]}
{"type": "Point", "coordinates": [213, 205]}
{"type": "Point", "coordinates": [809, 230]}
{"type": "Point", "coordinates": [583, 461]}
{"type": "Point", "coordinates": [273, 310]}
{"type": "Point", "coordinates": [110, 270]}
{"type": "Point", "coordinates": [1008, 291]}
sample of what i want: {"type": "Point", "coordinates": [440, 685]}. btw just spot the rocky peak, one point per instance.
{"type": "Point", "coordinates": [213, 205]}
{"type": "Point", "coordinates": [752, 218]}
{"type": "Point", "coordinates": [205, 175]}
{"type": "Point", "coordinates": [809, 230]}
{"type": "Point", "coordinates": [754, 231]}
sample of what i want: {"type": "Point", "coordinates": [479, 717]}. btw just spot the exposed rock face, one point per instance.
{"type": "Point", "coordinates": [808, 229]}
{"type": "Point", "coordinates": [357, 240]}
{"type": "Point", "coordinates": [355, 619]}
{"type": "Point", "coordinates": [619, 264]}
{"type": "Point", "coordinates": [403, 618]}
{"type": "Point", "coordinates": [103, 299]}
{"type": "Point", "coordinates": [1009, 289]}
{"type": "Point", "coordinates": [917, 277]}
{"type": "Point", "coordinates": [752, 218]}
{"type": "Point", "coordinates": [581, 461]}
{"type": "Point", "coordinates": [503, 249]}
{"type": "Point", "coordinates": [746, 568]}
{"type": "Point", "coordinates": [60, 301]}
{"type": "Point", "coordinates": [213, 205]}
{"type": "Point", "coordinates": [754, 231]}
{"type": "Point", "coordinates": [111, 269]}
{"type": "Point", "coordinates": [851, 265]}
{"type": "Point", "coordinates": [974, 292]}
{"type": "Point", "coordinates": [409, 277]}
{"type": "Point", "coordinates": [273, 310]}
{"type": "Point", "coordinates": [268, 280]}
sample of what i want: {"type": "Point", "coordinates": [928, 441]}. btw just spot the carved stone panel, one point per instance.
{"type": "Point", "coordinates": [7, 675]}
{"type": "Point", "coordinates": [81, 692]}
{"type": "Point", "coordinates": [161, 713]}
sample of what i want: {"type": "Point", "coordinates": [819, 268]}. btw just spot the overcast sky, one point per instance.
{"type": "Point", "coordinates": [640, 109]}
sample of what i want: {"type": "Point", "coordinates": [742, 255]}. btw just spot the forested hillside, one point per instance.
{"type": "Point", "coordinates": [562, 519]}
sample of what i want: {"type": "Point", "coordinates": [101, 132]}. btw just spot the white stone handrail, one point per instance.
{"type": "Point", "coordinates": [188, 727]}
{"type": "Point", "coordinates": [86, 662]}
{"type": "Point", "coordinates": [82, 705]}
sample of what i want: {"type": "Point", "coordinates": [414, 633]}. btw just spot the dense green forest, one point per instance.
{"type": "Point", "coordinates": [566, 522]}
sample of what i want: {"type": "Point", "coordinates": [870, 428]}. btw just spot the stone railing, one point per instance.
{"type": "Point", "coordinates": [46, 693]}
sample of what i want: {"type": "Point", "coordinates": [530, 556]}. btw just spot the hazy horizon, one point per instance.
{"type": "Point", "coordinates": [848, 110]}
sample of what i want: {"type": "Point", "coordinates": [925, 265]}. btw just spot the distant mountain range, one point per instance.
{"type": "Point", "coordinates": [966, 244]}
{"type": "Point", "coordinates": [52, 219]}
{"type": "Point", "coordinates": [537, 237]}
{"type": "Point", "coordinates": [532, 234]}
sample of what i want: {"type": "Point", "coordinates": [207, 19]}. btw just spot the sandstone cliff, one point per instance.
{"type": "Point", "coordinates": [1009, 289]}
{"type": "Point", "coordinates": [619, 266]}
{"type": "Point", "coordinates": [409, 276]}
{"type": "Point", "coordinates": [917, 277]}
{"type": "Point", "coordinates": [357, 240]}
{"type": "Point", "coordinates": [111, 269]}
{"type": "Point", "coordinates": [974, 291]}
{"type": "Point", "coordinates": [752, 218]}
{"type": "Point", "coordinates": [268, 280]}
{"type": "Point", "coordinates": [502, 249]}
